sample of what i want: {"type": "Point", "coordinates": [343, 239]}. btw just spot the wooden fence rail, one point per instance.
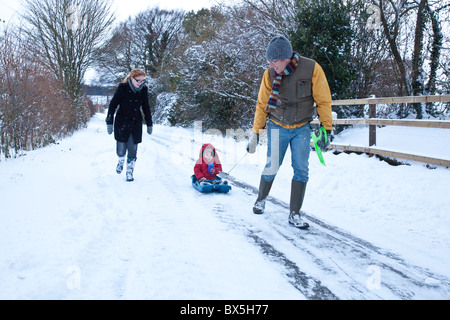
{"type": "Point", "coordinates": [373, 122]}
{"type": "Point", "coordinates": [389, 100]}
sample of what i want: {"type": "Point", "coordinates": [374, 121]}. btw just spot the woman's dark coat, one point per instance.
{"type": "Point", "coordinates": [129, 117]}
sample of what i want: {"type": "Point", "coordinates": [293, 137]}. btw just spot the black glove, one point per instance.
{"type": "Point", "coordinates": [325, 139]}
{"type": "Point", "coordinates": [109, 123]}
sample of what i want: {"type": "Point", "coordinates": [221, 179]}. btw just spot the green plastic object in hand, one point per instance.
{"type": "Point", "coordinates": [316, 138]}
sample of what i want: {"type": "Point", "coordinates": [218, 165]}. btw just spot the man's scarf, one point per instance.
{"type": "Point", "coordinates": [272, 104]}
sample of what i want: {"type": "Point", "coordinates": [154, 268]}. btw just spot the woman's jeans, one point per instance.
{"type": "Point", "coordinates": [122, 147]}
{"type": "Point", "coordinates": [279, 139]}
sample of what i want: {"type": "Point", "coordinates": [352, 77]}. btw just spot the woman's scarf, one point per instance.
{"type": "Point", "coordinates": [272, 104]}
{"type": "Point", "coordinates": [133, 87]}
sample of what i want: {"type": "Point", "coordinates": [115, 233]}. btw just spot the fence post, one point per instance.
{"type": "Point", "coordinates": [372, 128]}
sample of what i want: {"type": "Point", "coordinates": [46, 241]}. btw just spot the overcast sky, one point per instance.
{"type": "Point", "coordinates": [11, 9]}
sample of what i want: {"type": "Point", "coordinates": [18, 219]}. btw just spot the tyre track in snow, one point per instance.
{"type": "Point", "coordinates": [326, 262]}
{"type": "Point", "coordinates": [347, 255]}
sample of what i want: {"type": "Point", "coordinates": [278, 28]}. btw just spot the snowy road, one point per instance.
{"type": "Point", "coordinates": [324, 262]}
{"type": "Point", "coordinates": [71, 228]}
{"type": "Point", "coordinates": [328, 263]}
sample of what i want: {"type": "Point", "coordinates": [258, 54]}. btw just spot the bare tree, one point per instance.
{"type": "Point", "coordinates": [397, 18]}
{"type": "Point", "coordinates": [278, 15]}
{"type": "Point", "coordinates": [144, 41]}
{"type": "Point", "coordinates": [64, 34]}
{"type": "Point", "coordinates": [32, 111]}
{"type": "Point", "coordinates": [158, 31]}
{"type": "Point", "coordinates": [116, 57]}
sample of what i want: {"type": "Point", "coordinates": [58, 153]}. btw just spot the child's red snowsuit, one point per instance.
{"type": "Point", "coordinates": [201, 167]}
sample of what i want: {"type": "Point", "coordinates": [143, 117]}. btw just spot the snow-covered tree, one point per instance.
{"type": "Point", "coordinates": [65, 34]}
{"type": "Point", "coordinates": [220, 67]}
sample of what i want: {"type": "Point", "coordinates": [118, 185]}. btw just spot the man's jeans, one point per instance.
{"type": "Point", "coordinates": [279, 139]}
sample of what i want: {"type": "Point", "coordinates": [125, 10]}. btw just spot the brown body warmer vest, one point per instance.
{"type": "Point", "coordinates": [295, 101]}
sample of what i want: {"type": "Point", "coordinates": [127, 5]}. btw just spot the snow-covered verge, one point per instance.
{"type": "Point", "coordinates": [71, 228]}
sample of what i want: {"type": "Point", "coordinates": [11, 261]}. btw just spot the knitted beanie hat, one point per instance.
{"type": "Point", "coordinates": [279, 48]}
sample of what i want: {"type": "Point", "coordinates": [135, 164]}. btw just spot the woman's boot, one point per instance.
{"type": "Point", "coordinates": [120, 164]}
{"type": "Point", "coordinates": [131, 162]}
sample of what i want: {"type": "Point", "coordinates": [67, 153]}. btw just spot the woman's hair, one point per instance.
{"type": "Point", "coordinates": [134, 73]}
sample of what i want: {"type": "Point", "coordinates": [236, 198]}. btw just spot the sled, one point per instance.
{"type": "Point", "coordinates": [221, 188]}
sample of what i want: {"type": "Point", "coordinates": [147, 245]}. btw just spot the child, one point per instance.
{"type": "Point", "coordinates": [208, 166]}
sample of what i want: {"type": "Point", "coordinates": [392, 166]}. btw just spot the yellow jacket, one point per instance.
{"type": "Point", "coordinates": [321, 94]}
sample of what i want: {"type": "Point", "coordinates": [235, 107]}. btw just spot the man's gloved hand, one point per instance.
{"type": "Point", "coordinates": [109, 128]}
{"type": "Point", "coordinates": [252, 142]}
{"type": "Point", "coordinates": [324, 140]}
{"type": "Point", "coordinates": [149, 129]}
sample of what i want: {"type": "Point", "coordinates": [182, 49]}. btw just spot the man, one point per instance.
{"type": "Point", "coordinates": [289, 88]}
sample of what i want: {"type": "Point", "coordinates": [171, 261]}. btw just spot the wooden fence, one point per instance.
{"type": "Point", "coordinates": [373, 122]}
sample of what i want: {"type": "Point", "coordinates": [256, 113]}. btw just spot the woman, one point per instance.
{"type": "Point", "coordinates": [130, 96]}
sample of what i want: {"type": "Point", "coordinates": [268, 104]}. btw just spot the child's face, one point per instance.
{"type": "Point", "coordinates": [208, 157]}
